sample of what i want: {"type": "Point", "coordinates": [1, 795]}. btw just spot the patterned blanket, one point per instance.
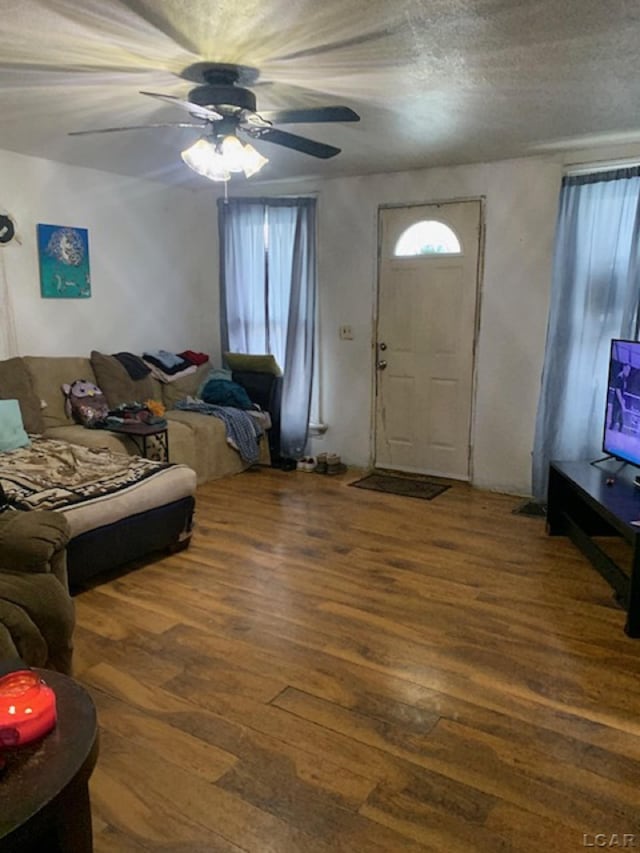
{"type": "Point", "coordinates": [243, 431]}
{"type": "Point", "coordinates": [53, 474]}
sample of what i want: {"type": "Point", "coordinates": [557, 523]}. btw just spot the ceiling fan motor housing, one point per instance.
{"type": "Point", "coordinates": [220, 96]}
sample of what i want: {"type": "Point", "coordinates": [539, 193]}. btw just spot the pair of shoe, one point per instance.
{"type": "Point", "coordinates": [330, 463]}
{"type": "Point", "coordinates": [306, 464]}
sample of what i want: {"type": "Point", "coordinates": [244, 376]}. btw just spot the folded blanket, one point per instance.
{"type": "Point", "coordinates": [170, 377]}
{"type": "Point", "coordinates": [167, 361]}
{"type": "Point", "coordinates": [194, 357]}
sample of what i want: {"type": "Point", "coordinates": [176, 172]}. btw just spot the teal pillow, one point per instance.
{"type": "Point", "coordinates": [221, 392]}
{"type": "Point", "coordinates": [12, 433]}
{"type": "Point", "coordinates": [214, 373]}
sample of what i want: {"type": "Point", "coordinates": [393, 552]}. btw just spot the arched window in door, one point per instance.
{"type": "Point", "coordinates": [428, 237]}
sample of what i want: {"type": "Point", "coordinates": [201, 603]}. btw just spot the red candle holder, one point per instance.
{"type": "Point", "coordinates": [27, 708]}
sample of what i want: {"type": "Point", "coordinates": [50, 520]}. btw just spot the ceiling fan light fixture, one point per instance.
{"type": "Point", "coordinates": [232, 153]}
{"type": "Point", "coordinates": [240, 158]}
{"type": "Point", "coordinates": [217, 161]}
{"type": "Point", "coordinates": [204, 159]}
{"type": "Point", "coordinates": [253, 161]}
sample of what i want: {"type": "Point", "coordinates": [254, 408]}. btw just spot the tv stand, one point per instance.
{"type": "Point", "coordinates": [583, 502]}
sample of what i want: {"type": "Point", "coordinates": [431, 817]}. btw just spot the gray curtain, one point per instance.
{"type": "Point", "coordinates": [594, 297]}
{"type": "Point", "coordinates": [267, 296]}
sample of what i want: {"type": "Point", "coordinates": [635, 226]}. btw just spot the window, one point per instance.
{"type": "Point", "coordinates": [428, 237]}
{"type": "Point", "coordinates": [268, 292]}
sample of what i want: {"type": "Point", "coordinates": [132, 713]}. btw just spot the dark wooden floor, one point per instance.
{"type": "Point", "coordinates": [333, 669]}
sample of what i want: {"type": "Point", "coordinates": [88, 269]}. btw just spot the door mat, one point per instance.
{"type": "Point", "coordinates": [407, 485]}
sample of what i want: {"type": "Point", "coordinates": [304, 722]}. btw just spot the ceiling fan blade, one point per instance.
{"type": "Point", "coordinates": [134, 127]}
{"type": "Point", "coordinates": [309, 115]}
{"type": "Point", "coordinates": [298, 143]}
{"type": "Point", "coordinates": [194, 109]}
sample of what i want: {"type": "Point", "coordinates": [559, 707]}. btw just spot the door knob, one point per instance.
{"type": "Point", "coordinates": [382, 364]}
{"type": "Point", "coordinates": [382, 346]}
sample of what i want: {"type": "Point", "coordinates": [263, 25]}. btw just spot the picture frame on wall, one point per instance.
{"type": "Point", "coordinates": [63, 256]}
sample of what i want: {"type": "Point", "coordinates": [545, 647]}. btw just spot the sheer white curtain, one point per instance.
{"type": "Point", "coordinates": [594, 298]}
{"type": "Point", "coordinates": [268, 292]}
{"type": "Point", "coordinates": [242, 276]}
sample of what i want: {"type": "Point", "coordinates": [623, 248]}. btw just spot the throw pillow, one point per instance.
{"type": "Point", "coordinates": [221, 392]}
{"type": "Point", "coordinates": [12, 432]}
{"type": "Point", "coordinates": [117, 386]}
{"type": "Point", "coordinates": [254, 363]}
{"type": "Point", "coordinates": [214, 373]}
{"type": "Point", "coordinates": [188, 386]}
{"type": "Point", "coordinates": [16, 384]}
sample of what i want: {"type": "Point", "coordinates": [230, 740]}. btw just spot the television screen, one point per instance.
{"type": "Point", "coordinates": [622, 415]}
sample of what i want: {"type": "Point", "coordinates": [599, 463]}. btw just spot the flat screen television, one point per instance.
{"type": "Point", "coordinates": [622, 412]}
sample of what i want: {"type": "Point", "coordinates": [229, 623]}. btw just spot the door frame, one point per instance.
{"type": "Point", "coordinates": [482, 200]}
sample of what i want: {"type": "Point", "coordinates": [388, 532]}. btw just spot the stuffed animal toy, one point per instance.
{"type": "Point", "coordinates": [155, 407]}
{"type": "Point", "coordinates": [85, 403]}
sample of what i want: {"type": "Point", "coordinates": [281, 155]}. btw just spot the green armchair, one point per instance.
{"type": "Point", "coordinates": [36, 611]}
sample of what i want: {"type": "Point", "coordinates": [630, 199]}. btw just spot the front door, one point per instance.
{"type": "Point", "coordinates": [427, 293]}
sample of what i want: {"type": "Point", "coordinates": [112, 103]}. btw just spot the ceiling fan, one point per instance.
{"type": "Point", "coordinates": [223, 108]}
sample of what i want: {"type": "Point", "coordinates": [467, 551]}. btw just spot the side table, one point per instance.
{"type": "Point", "coordinates": [141, 433]}
{"type": "Point", "coordinates": [44, 793]}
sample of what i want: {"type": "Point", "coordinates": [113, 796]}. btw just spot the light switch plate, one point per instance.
{"type": "Point", "coordinates": [346, 333]}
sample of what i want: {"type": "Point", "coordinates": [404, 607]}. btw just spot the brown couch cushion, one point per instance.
{"type": "Point", "coordinates": [214, 457]}
{"type": "Point", "coordinates": [116, 384]}
{"type": "Point", "coordinates": [48, 374]}
{"type": "Point", "coordinates": [16, 384]}
{"type": "Point", "coordinates": [185, 387]}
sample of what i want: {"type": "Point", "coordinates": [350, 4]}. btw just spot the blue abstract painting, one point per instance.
{"type": "Point", "coordinates": [64, 262]}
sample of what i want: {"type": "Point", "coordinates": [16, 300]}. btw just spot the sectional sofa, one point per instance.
{"type": "Point", "coordinates": [150, 514]}
{"type": "Point", "coordinates": [194, 440]}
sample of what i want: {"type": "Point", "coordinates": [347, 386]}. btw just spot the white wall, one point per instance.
{"type": "Point", "coordinates": [521, 199]}
{"type": "Point", "coordinates": [154, 284]}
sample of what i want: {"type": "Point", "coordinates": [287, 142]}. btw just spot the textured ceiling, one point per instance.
{"type": "Point", "coordinates": [435, 81]}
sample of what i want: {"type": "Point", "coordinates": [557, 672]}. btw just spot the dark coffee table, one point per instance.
{"type": "Point", "coordinates": [140, 432]}
{"type": "Point", "coordinates": [44, 794]}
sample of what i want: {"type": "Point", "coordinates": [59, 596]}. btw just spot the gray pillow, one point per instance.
{"type": "Point", "coordinates": [116, 384]}
{"type": "Point", "coordinates": [16, 384]}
